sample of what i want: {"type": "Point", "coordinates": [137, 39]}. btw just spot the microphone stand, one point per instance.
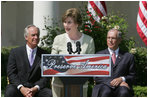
{"type": "Point", "coordinates": [69, 47]}
{"type": "Point", "coordinates": [73, 82]}
{"type": "Point", "coordinates": [78, 45]}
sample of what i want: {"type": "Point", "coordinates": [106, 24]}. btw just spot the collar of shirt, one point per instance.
{"type": "Point", "coordinates": [73, 42]}
{"type": "Point", "coordinates": [116, 51]}
{"type": "Point", "coordinates": [29, 51]}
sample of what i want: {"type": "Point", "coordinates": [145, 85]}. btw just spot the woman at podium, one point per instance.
{"type": "Point", "coordinates": [71, 22]}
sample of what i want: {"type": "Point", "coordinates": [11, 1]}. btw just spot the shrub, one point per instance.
{"type": "Point", "coordinates": [5, 51]}
{"type": "Point", "coordinates": [140, 55]}
{"type": "Point", "coordinates": [98, 30]}
{"type": "Point", "coordinates": [52, 31]}
{"type": "Point", "coordinates": [140, 91]}
{"type": "Point", "coordinates": [4, 58]}
{"type": "Point", "coordinates": [3, 82]}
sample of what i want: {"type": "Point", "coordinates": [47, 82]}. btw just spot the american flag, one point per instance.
{"type": "Point", "coordinates": [97, 9]}
{"type": "Point", "coordinates": [142, 21]}
{"type": "Point", "coordinates": [72, 65]}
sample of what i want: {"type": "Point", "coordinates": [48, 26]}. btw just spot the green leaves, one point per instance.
{"type": "Point", "coordinates": [140, 91]}
{"type": "Point", "coordinates": [98, 30]}
{"type": "Point", "coordinates": [52, 31]}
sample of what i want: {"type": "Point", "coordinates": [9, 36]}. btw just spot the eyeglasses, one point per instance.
{"type": "Point", "coordinates": [111, 38]}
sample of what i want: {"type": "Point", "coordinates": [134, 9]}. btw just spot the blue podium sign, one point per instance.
{"type": "Point", "coordinates": [76, 65]}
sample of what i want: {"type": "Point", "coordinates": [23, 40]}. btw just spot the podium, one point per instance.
{"type": "Point", "coordinates": [74, 70]}
{"type": "Point", "coordinates": [73, 86]}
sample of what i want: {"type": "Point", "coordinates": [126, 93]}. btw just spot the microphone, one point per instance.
{"type": "Point", "coordinates": [69, 47]}
{"type": "Point", "coordinates": [78, 45]}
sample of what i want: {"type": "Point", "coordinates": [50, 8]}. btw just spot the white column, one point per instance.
{"type": "Point", "coordinates": [44, 9]}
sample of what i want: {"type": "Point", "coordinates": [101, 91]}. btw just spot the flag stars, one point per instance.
{"type": "Point", "coordinates": [63, 61]}
{"type": "Point", "coordinates": [61, 57]}
{"type": "Point", "coordinates": [46, 60]}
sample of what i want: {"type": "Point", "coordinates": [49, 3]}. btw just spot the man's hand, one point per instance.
{"type": "Point", "coordinates": [115, 82]}
{"type": "Point", "coordinates": [34, 90]}
{"type": "Point", "coordinates": [124, 84]}
{"type": "Point", "coordinates": [27, 92]}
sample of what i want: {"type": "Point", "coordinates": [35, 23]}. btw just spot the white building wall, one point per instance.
{"type": "Point", "coordinates": [15, 15]}
{"type": "Point", "coordinates": [8, 23]}
{"type": "Point", "coordinates": [129, 9]}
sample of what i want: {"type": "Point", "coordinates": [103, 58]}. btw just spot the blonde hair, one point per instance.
{"type": "Point", "coordinates": [73, 13]}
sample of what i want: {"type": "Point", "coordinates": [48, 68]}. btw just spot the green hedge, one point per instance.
{"type": "Point", "coordinates": [3, 82]}
{"type": "Point", "coordinates": [4, 58]}
{"type": "Point", "coordinates": [140, 55]}
{"type": "Point", "coordinates": [140, 91]}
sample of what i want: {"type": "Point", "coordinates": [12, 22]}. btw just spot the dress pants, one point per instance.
{"type": "Point", "coordinates": [12, 91]}
{"type": "Point", "coordinates": [120, 91]}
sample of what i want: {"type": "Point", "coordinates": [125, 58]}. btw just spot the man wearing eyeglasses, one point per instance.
{"type": "Point", "coordinates": [122, 73]}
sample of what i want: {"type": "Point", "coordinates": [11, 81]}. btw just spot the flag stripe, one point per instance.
{"type": "Point", "coordinates": [50, 72]}
{"type": "Point", "coordinates": [93, 13]}
{"type": "Point", "coordinates": [84, 57]}
{"type": "Point", "coordinates": [142, 18]}
{"type": "Point", "coordinates": [97, 9]}
{"type": "Point", "coordinates": [54, 72]}
{"type": "Point", "coordinates": [104, 5]}
{"type": "Point", "coordinates": [101, 7]}
{"type": "Point", "coordinates": [95, 64]}
{"type": "Point", "coordinates": [142, 26]}
{"type": "Point", "coordinates": [144, 4]}
{"type": "Point", "coordinates": [90, 59]}
{"type": "Point", "coordinates": [143, 10]}
{"type": "Point", "coordinates": [79, 63]}
{"type": "Point", "coordinates": [142, 21]}
{"type": "Point", "coordinates": [93, 73]}
{"type": "Point", "coordinates": [68, 57]}
{"type": "Point", "coordinates": [143, 37]}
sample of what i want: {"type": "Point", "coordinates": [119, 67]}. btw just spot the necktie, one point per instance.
{"type": "Point", "coordinates": [114, 57]}
{"type": "Point", "coordinates": [31, 60]}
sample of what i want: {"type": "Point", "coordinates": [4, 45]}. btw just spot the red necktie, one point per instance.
{"type": "Point", "coordinates": [114, 57]}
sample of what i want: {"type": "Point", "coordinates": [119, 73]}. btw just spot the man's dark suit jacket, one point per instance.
{"type": "Point", "coordinates": [124, 66]}
{"type": "Point", "coordinates": [20, 72]}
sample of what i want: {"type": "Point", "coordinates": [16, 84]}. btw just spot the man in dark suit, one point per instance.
{"type": "Point", "coordinates": [23, 69]}
{"type": "Point", "coordinates": [123, 71]}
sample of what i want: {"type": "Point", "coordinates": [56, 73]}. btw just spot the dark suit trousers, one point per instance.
{"type": "Point", "coordinates": [12, 91]}
{"type": "Point", "coordinates": [120, 91]}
